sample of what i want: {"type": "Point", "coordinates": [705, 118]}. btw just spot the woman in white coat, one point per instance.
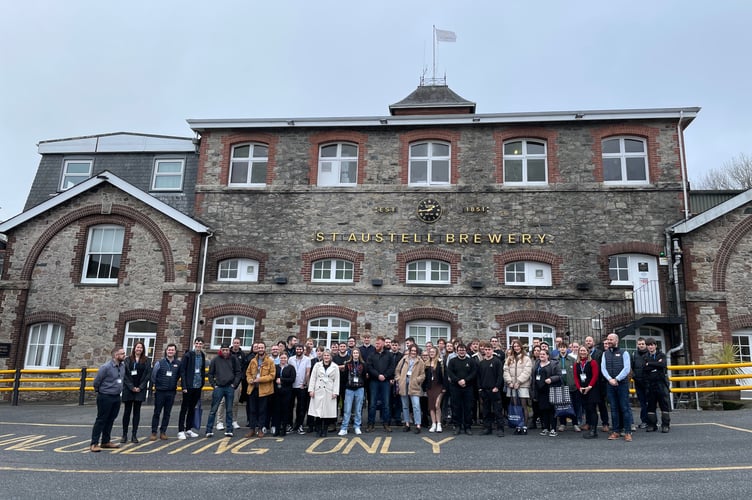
{"type": "Point", "coordinates": [323, 389]}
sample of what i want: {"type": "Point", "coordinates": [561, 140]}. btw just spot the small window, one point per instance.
{"type": "Point", "coordinates": [527, 274]}
{"type": "Point", "coordinates": [168, 175]}
{"type": "Point", "coordinates": [103, 251]}
{"type": "Point", "coordinates": [625, 161]}
{"type": "Point", "coordinates": [45, 348]}
{"type": "Point", "coordinates": [248, 165]}
{"type": "Point", "coordinates": [333, 271]}
{"type": "Point", "coordinates": [525, 162]}
{"type": "Point", "coordinates": [238, 270]}
{"type": "Point", "coordinates": [326, 331]}
{"type": "Point", "coordinates": [429, 164]}
{"type": "Point", "coordinates": [227, 328]}
{"type": "Point", "coordinates": [338, 165]}
{"type": "Point", "coordinates": [428, 331]}
{"type": "Point", "coordinates": [75, 172]}
{"type": "Point", "coordinates": [618, 269]}
{"type": "Point", "coordinates": [428, 272]}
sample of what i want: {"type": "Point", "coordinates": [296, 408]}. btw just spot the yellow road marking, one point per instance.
{"type": "Point", "coordinates": [400, 471]}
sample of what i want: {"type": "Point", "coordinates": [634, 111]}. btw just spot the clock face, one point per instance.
{"type": "Point", "coordinates": [429, 210]}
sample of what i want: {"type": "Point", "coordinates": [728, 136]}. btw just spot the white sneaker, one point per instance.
{"type": "Point", "coordinates": [577, 428]}
{"type": "Point", "coordinates": [190, 433]}
{"type": "Point", "coordinates": [273, 431]}
{"type": "Point", "coordinates": [438, 427]}
{"type": "Point", "coordinates": [433, 428]}
{"type": "Point", "coordinates": [561, 428]}
{"type": "Point", "coordinates": [181, 435]}
{"type": "Point", "coordinates": [235, 425]}
{"type": "Point", "coordinates": [220, 426]}
{"type": "Point", "coordinates": [263, 429]}
{"type": "Point", "coordinates": [343, 432]}
{"type": "Point", "coordinates": [357, 431]}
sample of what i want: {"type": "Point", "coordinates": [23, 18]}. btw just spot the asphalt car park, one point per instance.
{"type": "Point", "coordinates": [44, 453]}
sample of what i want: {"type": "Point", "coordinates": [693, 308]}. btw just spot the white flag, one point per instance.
{"type": "Point", "coordinates": [445, 36]}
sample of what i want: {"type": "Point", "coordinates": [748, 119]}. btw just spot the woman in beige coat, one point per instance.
{"type": "Point", "coordinates": [518, 371]}
{"type": "Point", "coordinates": [409, 376]}
{"type": "Point", "coordinates": [323, 389]}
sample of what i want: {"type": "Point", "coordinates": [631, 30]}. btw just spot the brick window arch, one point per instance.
{"type": "Point", "coordinates": [337, 137]}
{"type": "Point", "coordinates": [428, 254]}
{"type": "Point", "coordinates": [449, 137]}
{"type": "Point", "coordinates": [332, 253]}
{"type": "Point", "coordinates": [648, 134]}
{"type": "Point", "coordinates": [228, 143]}
{"type": "Point", "coordinates": [548, 136]}
{"type": "Point", "coordinates": [430, 314]}
{"type": "Point", "coordinates": [224, 254]}
{"type": "Point", "coordinates": [510, 256]}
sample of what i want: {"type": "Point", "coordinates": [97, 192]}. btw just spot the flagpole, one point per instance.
{"type": "Point", "coordinates": [433, 73]}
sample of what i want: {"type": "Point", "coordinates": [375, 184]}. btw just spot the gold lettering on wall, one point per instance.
{"type": "Point", "coordinates": [435, 239]}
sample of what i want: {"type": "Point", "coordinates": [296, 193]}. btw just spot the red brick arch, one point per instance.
{"type": "Point", "coordinates": [549, 136]}
{"type": "Point", "coordinates": [94, 215]}
{"type": "Point", "coordinates": [405, 258]}
{"type": "Point", "coordinates": [450, 136]}
{"type": "Point", "coordinates": [727, 247]}
{"type": "Point", "coordinates": [334, 136]}
{"type": "Point", "coordinates": [518, 255]}
{"type": "Point", "coordinates": [332, 253]}
{"type": "Point", "coordinates": [430, 313]}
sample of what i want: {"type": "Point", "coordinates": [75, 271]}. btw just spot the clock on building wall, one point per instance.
{"type": "Point", "coordinates": [429, 210]}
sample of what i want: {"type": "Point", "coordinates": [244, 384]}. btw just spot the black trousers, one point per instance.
{"type": "Point", "coordinates": [127, 407]}
{"type": "Point", "coordinates": [300, 400]}
{"type": "Point", "coordinates": [163, 401]}
{"type": "Point", "coordinates": [462, 406]}
{"type": "Point", "coordinates": [108, 406]}
{"type": "Point", "coordinates": [491, 409]}
{"type": "Point", "coordinates": [187, 409]}
{"type": "Point", "coordinates": [257, 410]}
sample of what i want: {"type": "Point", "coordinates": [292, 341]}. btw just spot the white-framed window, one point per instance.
{"type": "Point", "coordinates": [104, 248]}
{"type": "Point", "coordinates": [524, 273]}
{"type": "Point", "coordinates": [525, 162]}
{"type": "Point", "coordinates": [527, 332]}
{"type": "Point", "coordinates": [326, 331]}
{"type": "Point", "coordinates": [226, 328]}
{"type": "Point", "coordinates": [429, 164]}
{"type": "Point", "coordinates": [45, 347]}
{"type": "Point", "coordinates": [238, 270]}
{"type": "Point", "coordinates": [625, 160]}
{"type": "Point", "coordinates": [248, 165]}
{"type": "Point", "coordinates": [75, 172]}
{"type": "Point", "coordinates": [427, 330]}
{"type": "Point", "coordinates": [742, 340]}
{"type": "Point", "coordinates": [168, 175]}
{"type": "Point", "coordinates": [429, 271]}
{"type": "Point", "coordinates": [140, 331]}
{"type": "Point", "coordinates": [629, 342]}
{"type": "Point", "coordinates": [338, 165]}
{"type": "Point", "coordinates": [333, 271]}
{"type": "Point", "coordinates": [618, 269]}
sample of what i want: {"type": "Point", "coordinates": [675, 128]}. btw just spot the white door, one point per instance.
{"type": "Point", "coordinates": [643, 272]}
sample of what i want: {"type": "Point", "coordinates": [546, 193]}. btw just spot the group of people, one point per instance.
{"type": "Point", "coordinates": [304, 388]}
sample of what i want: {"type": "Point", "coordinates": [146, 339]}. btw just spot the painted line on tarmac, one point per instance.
{"type": "Point", "coordinates": [30, 424]}
{"type": "Point", "coordinates": [726, 468]}
{"type": "Point", "coordinates": [724, 426]}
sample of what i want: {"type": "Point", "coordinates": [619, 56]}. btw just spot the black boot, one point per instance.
{"type": "Point", "coordinates": [665, 422]}
{"type": "Point", "coordinates": [652, 421]}
{"type": "Point", "coordinates": [591, 434]}
{"type": "Point", "coordinates": [134, 439]}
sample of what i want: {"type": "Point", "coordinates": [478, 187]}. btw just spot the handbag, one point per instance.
{"type": "Point", "coordinates": [515, 413]}
{"type": "Point", "coordinates": [559, 395]}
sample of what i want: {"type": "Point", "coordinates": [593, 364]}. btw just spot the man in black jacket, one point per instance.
{"type": "Point", "coordinates": [192, 372]}
{"type": "Point", "coordinates": [640, 383]}
{"type": "Point", "coordinates": [461, 372]}
{"type": "Point", "coordinates": [164, 380]}
{"type": "Point", "coordinates": [657, 387]}
{"type": "Point", "coordinates": [224, 377]}
{"type": "Point", "coordinates": [380, 372]}
{"type": "Point", "coordinates": [490, 381]}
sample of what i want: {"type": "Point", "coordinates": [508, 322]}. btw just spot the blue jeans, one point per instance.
{"type": "Point", "coordinates": [618, 398]}
{"type": "Point", "coordinates": [353, 396]}
{"type": "Point", "coordinates": [379, 392]}
{"type": "Point", "coordinates": [219, 394]}
{"type": "Point", "coordinates": [415, 400]}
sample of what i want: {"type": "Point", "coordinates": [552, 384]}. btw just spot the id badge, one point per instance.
{"type": "Point", "coordinates": [356, 379]}
{"type": "Point", "coordinates": [197, 370]}
{"type": "Point", "coordinates": [410, 373]}
{"type": "Point", "coordinates": [134, 372]}
{"type": "Point", "coordinates": [563, 372]}
{"type": "Point", "coordinates": [168, 373]}
{"type": "Point", "coordinates": [119, 381]}
{"type": "Point", "coordinates": [537, 377]}
{"type": "Point", "coordinates": [583, 377]}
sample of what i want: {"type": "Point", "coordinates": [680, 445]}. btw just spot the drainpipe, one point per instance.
{"type": "Point", "coordinates": [682, 163]}
{"type": "Point", "coordinates": [197, 308]}
{"type": "Point", "coordinates": [676, 252]}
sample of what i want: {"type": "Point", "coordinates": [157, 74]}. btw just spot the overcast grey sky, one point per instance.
{"type": "Point", "coordinates": [82, 67]}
